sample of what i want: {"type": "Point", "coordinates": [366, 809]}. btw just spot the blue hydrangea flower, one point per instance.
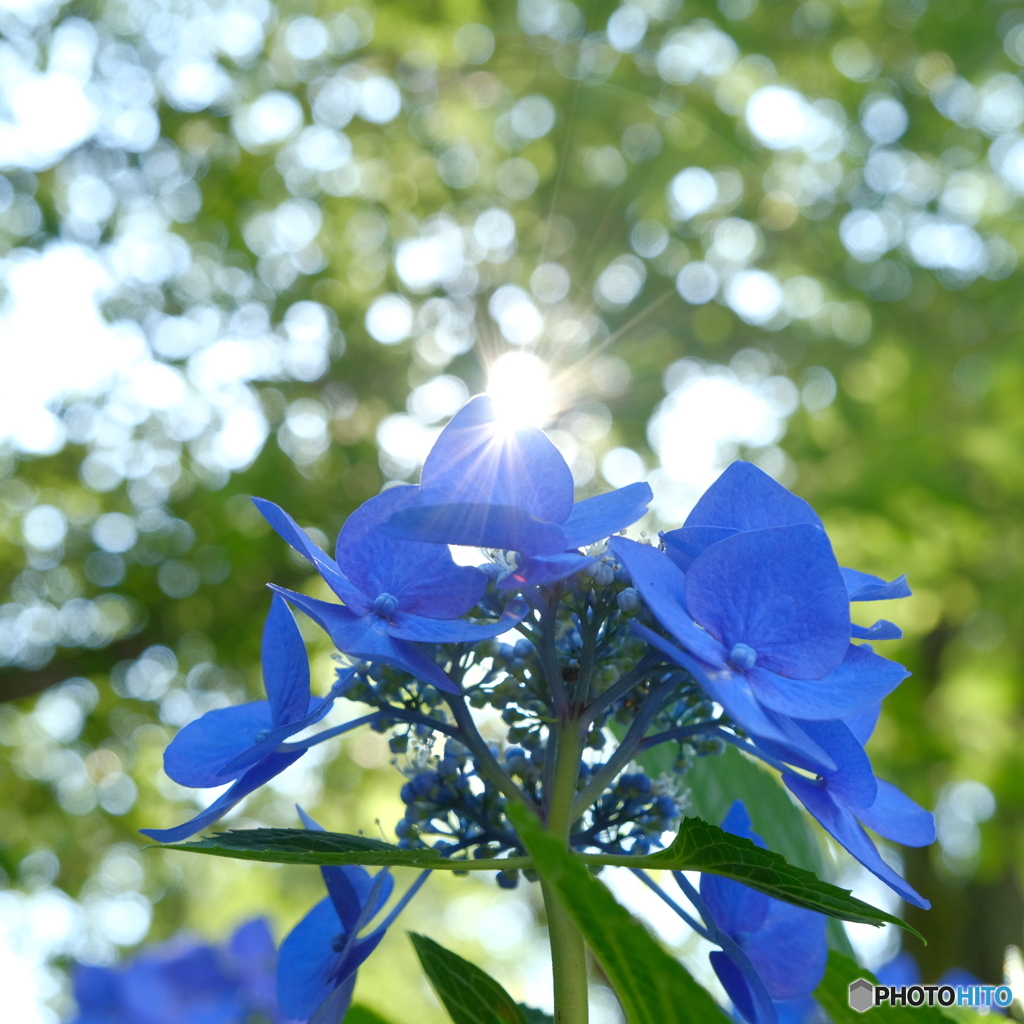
{"type": "Point", "coordinates": [316, 971]}
{"type": "Point", "coordinates": [184, 982]}
{"type": "Point", "coordinates": [485, 485]}
{"type": "Point", "coordinates": [395, 592]}
{"type": "Point", "coordinates": [746, 498]}
{"type": "Point", "coordinates": [786, 945]}
{"type": "Point", "coordinates": [241, 742]}
{"type": "Point", "coordinates": [764, 618]}
{"type": "Point", "coordinates": [849, 796]}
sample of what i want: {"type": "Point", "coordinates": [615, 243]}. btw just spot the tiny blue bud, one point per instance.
{"type": "Point", "coordinates": [385, 604]}
{"type": "Point", "coordinates": [742, 657]}
{"type": "Point", "coordinates": [628, 600]}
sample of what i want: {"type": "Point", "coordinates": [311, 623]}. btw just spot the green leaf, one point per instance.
{"type": "Point", "coordinates": [700, 846]}
{"type": "Point", "coordinates": [652, 986]}
{"type": "Point", "coordinates": [833, 995]}
{"type": "Point", "coordinates": [716, 782]}
{"type": "Point", "coordinates": [298, 846]}
{"type": "Point", "coordinates": [534, 1016]}
{"type": "Point", "coordinates": [470, 995]}
{"type": "Point", "coordinates": [364, 1015]}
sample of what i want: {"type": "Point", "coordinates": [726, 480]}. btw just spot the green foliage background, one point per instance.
{"type": "Point", "coordinates": [916, 466]}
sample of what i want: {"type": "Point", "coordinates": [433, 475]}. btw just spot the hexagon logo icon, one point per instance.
{"type": "Point", "coordinates": [862, 995]}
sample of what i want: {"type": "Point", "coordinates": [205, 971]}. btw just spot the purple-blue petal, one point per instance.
{"type": "Point", "coordinates": [255, 777]}
{"type": "Point", "coordinates": [862, 680]}
{"type": "Point", "coordinates": [595, 518]}
{"type": "Point", "coordinates": [348, 887]}
{"type": "Point", "coordinates": [789, 951]}
{"type": "Point", "coordinates": [739, 990]}
{"type": "Point", "coordinates": [902, 969]}
{"type": "Point", "coordinates": [686, 543]}
{"type": "Point", "coordinates": [896, 817]}
{"type": "Point", "coordinates": [852, 782]}
{"type": "Point", "coordinates": [883, 629]}
{"type": "Point", "coordinates": [843, 827]}
{"type": "Point", "coordinates": [285, 665]}
{"type": "Point", "coordinates": [436, 631]}
{"type": "Point", "coordinates": [662, 586]}
{"type": "Point", "coordinates": [733, 692]}
{"type": "Point", "coordinates": [422, 576]}
{"type": "Point", "coordinates": [862, 586]}
{"type": "Point", "coordinates": [477, 460]}
{"type": "Point", "coordinates": [862, 725]}
{"type": "Point", "coordinates": [335, 1007]}
{"type": "Point", "coordinates": [779, 592]}
{"type": "Point", "coordinates": [366, 636]}
{"type": "Point", "coordinates": [538, 570]}
{"type": "Point", "coordinates": [476, 524]}
{"type": "Point", "coordinates": [307, 961]}
{"type": "Point", "coordinates": [290, 531]}
{"type": "Point", "coordinates": [746, 498]}
{"type": "Point", "coordinates": [199, 753]}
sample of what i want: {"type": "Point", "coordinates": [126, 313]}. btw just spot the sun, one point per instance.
{"type": "Point", "coordinates": [521, 389]}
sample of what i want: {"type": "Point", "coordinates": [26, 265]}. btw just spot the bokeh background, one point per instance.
{"type": "Point", "coordinates": [268, 248]}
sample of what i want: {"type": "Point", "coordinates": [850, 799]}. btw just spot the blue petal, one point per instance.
{"type": "Point", "coordinates": [737, 822]}
{"type": "Point", "coordinates": [735, 907]}
{"type": "Point", "coordinates": [348, 887]}
{"type": "Point", "coordinates": [199, 752]}
{"type": "Point", "coordinates": [251, 780]}
{"type": "Point", "coordinates": [789, 950]}
{"type": "Point", "coordinates": [307, 962]}
{"type": "Point", "coordinates": [477, 460]}
{"type": "Point", "coordinates": [285, 665]}
{"type": "Point", "coordinates": [732, 691]}
{"type": "Point", "coordinates": [436, 631]}
{"type": "Point", "coordinates": [738, 988]}
{"type": "Point", "coordinates": [881, 630]}
{"type": "Point", "coordinates": [421, 575]}
{"type": "Point", "coordinates": [538, 570]}
{"type": "Point", "coordinates": [853, 782]}
{"type": "Point", "coordinates": [334, 1008]}
{"type": "Point", "coordinates": [662, 584]}
{"type": "Point", "coordinates": [486, 526]}
{"type": "Point", "coordinates": [862, 586]}
{"type": "Point", "coordinates": [593, 519]}
{"type": "Point", "coordinates": [902, 969]}
{"type": "Point", "coordinates": [253, 941]}
{"type": "Point", "coordinates": [290, 531]}
{"type": "Point", "coordinates": [366, 636]}
{"type": "Point", "coordinates": [862, 680]}
{"type": "Point", "coordinates": [843, 827]}
{"type": "Point", "coordinates": [778, 591]}
{"type": "Point", "coordinates": [895, 816]}
{"type": "Point", "coordinates": [746, 498]}
{"type": "Point", "coordinates": [686, 543]}
{"type": "Point", "coordinates": [862, 725]}
{"type": "Point", "coordinates": [272, 739]}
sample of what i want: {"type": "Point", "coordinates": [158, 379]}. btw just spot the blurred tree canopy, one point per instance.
{"type": "Point", "coordinates": [255, 248]}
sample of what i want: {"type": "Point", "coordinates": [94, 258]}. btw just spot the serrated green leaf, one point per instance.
{"type": "Point", "coordinates": [299, 846]}
{"type": "Point", "coordinates": [364, 1015]}
{"type": "Point", "coordinates": [700, 846]}
{"type": "Point", "coordinates": [833, 995]}
{"type": "Point", "coordinates": [469, 994]}
{"type": "Point", "coordinates": [716, 782]}
{"type": "Point", "coordinates": [652, 986]}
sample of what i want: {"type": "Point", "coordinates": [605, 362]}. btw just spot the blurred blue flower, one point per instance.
{"type": "Point", "coordinates": [185, 982]}
{"type": "Point", "coordinates": [786, 946]}
{"type": "Point", "coordinates": [764, 618]}
{"type": "Point", "coordinates": [240, 742]}
{"type": "Point", "coordinates": [394, 591]}
{"type": "Point", "coordinates": [746, 498]}
{"type": "Point", "coordinates": [316, 971]}
{"type": "Point", "coordinates": [486, 485]}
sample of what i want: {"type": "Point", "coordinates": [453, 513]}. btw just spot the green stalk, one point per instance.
{"type": "Point", "coordinates": [568, 952]}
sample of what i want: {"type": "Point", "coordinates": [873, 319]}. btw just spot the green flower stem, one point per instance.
{"type": "Point", "coordinates": [568, 952]}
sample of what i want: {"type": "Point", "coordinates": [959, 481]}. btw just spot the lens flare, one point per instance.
{"type": "Point", "coordinates": [520, 386]}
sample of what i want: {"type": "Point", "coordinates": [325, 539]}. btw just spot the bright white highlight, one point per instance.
{"type": "Point", "coordinates": [520, 387]}
{"type": "Point", "coordinates": [711, 416]}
